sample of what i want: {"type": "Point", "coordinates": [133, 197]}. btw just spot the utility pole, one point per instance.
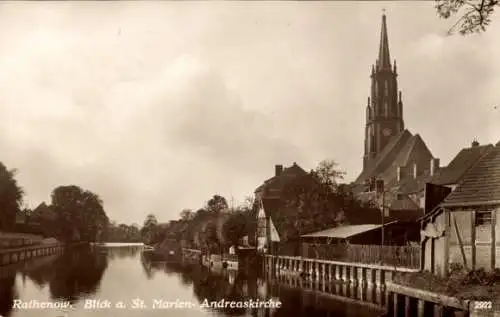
{"type": "Point", "coordinates": [381, 191]}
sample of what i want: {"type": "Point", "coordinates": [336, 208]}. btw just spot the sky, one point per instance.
{"type": "Point", "coordinates": [157, 106]}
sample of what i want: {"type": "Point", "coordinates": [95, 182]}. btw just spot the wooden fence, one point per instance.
{"type": "Point", "coordinates": [402, 256]}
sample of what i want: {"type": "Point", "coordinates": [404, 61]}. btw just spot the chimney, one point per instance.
{"type": "Point", "coordinates": [475, 143]}
{"type": "Point", "coordinates": [278, 169]}
{"type": "Point", "coordinates": [434, 166]}
{"type": "Point", "coordinates": [415, 170]}
{"type": "Point", "coordinates": [400, 173]}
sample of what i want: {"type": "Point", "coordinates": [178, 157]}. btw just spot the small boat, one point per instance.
{"type": "Point", "coordinates": [149, 248]}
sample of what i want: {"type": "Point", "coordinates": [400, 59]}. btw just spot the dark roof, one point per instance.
{"type": "Point", "coordinates": [386, 156]}
{"type": "Point", "coordinates": [481, 184]}
{"type": "Point", "coordinates": [404, 203]}
{"type": "Point", "coordinates": [401, 151]}
{"type": "Point", "coordinates": [456, 169]}
{"type": "Point", "coordinates": [447, 175]}
{"type": "Point", "coordinates": [277, 182]}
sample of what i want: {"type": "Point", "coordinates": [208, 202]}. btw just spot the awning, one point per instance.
{"type": "Point", "coordinates": [344, 232]}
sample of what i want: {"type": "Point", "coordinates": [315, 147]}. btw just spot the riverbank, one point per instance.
{"type": "Point", "coordinates": [474, 285]}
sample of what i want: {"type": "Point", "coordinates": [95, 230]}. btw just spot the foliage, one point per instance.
{"type": "Point", "coordinates": [317, 201]}
{"type": "Point", "coordinates": [150, 230]}
{"type": "Point", "coordinates": [11, 196]}
{"type": "Point", "coordinates": [328, 173]}
{"type": "Point", "coordinates": [80, 214]}
{"type": "Point", "coordinates": [472, 285]}
{"type": "Point", "coordinates": [217, 204]}
{"type": "Point", "coordinates": [123, 233]}
{"type": "Point", "coordinates": [187, 214]}
{"type": "Point", "coordinates": [475, 15]}
{"type": "Point", "coordinates": [236, 227]}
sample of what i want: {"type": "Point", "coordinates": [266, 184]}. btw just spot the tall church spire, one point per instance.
{"type": "Point", "coordinates": [384, 58]}
{"type": "Point", "coordinates": [384, 112]}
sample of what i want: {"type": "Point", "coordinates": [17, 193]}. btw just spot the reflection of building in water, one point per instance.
{"type": "Point", "coordinates": [262, 289]}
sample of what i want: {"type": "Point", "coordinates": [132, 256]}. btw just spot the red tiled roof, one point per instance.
{"type": "Point", "coordinates": [480, 184]}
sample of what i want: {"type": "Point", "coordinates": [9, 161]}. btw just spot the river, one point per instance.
{"type": "Point", "coordinates": [93, 281]}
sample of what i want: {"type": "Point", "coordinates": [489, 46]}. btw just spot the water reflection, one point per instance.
{"type": "Point", "coordinates": [77, 274]}
{"type": "Point", "coordinates": [122, 273]}
{"type": "Point", "coordinates": [230, 286]}
{"type": "Point", "coordinates": [7, 293]}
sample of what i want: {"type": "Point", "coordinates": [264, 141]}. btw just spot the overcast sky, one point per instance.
{"type": "Point", "coordinates": [156, 106]}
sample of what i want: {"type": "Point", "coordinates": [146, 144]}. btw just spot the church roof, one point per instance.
{"type": "Point", "coordinates": [398, 152]}
{"type": "Point", "coordinates": [480, 184]}
{"type": "Point", "coordinates": [384, 57]}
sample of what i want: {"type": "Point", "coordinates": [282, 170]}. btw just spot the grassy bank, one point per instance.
{"type": "Point", "coordinates": [473, 285]}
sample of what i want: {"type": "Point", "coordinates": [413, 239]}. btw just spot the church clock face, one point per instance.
{"type": "Point", "coordinates": [387, 132]}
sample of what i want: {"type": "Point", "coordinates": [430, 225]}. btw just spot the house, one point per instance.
{"type": "Point", "coordinates": [449, 176]}
{"type": "Point", "coordinates": [463, 228]}
{"type": "Point", "coordinates": [269, 197]}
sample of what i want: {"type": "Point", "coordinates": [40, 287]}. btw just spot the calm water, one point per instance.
{"type": "Point", "coordinates": [125, 274]}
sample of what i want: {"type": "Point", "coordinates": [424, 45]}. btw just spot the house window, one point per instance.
{"type": "Point", "coordinates": [483, 218]}
{"type": "Point", "coordinates": [399, 196]}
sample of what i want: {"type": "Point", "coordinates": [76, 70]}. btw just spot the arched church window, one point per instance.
{"type": "Point", "coordinates": [386, 89]}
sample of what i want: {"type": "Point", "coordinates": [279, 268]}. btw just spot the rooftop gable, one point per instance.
{"type": "Point", "coordinates": [461, 163]}
{"type": "Point", "coordinates": [480, 184]}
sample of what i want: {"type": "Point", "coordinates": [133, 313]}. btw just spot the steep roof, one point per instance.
{"type": "Point", "coordinates": [398, 152]}
{"type": "Point", "coordinates": [384, 57]}
{"type": "Point", "coordinates": [448, 175]}
{"type": "Point", "coordinates": [456, 169]}
{"type": "Point", "coordinates": [277, 182]}
{"type": "Point", "coordinates": [480, 184]}
{"type": "Point", "coordinates": [386, 156]}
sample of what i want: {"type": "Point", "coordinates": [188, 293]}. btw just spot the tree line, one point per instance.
{"type": "Point", "coordinates": [73, 214]}
{"type": "Point", "coordinates": [313, 202]}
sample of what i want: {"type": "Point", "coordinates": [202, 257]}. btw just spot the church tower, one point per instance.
{"type": "Point", "coordinates": [384, 110]}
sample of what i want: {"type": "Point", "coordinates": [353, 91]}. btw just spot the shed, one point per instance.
{"type": "Point", "coordinates": [463, 228]}
{"type": "Point", "coordinates": [354, 234]}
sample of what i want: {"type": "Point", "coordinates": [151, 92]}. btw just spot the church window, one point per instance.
{"type": "Point", "coordinates": [386, 108]}
{"type": "Point", "coordinates": [376, 88]}
{"type": "Point", "coordinates": [386, 88]}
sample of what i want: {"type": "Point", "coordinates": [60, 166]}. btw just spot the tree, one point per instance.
{"type": "Point", "coordinates": [235, 227]}
{"type": "Point", "coordinates": [217, 204]}
{"type": "Point", "coordinates": [187, 214]}
{"type": "Point", "coordinates": [80, 214]}
{"type": "Point", "coordinates": [328, 173]}
{"type": "Point", "coordinates": [149, 229]}
{"type": "Point", "coordinates": [475, 15]}
{"type": "Point", "coordinates": [11, 196]}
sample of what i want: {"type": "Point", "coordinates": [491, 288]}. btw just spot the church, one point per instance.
{"type": "Point", "coordinates": [395, 155]}
{"type": "Point", "coordinates": [391, 152]}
